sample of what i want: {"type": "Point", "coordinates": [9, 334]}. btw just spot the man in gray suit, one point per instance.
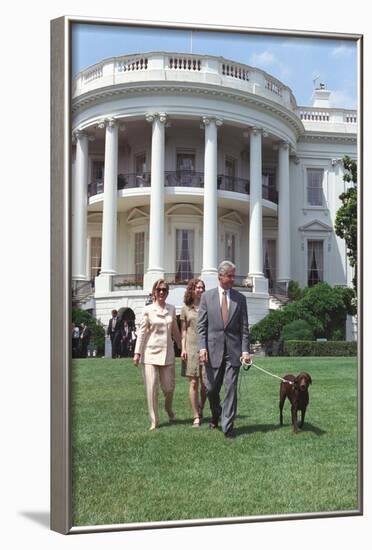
{"type": "Point", "coordinates": [223, 343]}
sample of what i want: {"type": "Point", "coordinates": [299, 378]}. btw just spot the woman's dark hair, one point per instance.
{"type": "Point", "coordinates": [156, 285]}
{"type": "Point", "coordinates": [189, 292]}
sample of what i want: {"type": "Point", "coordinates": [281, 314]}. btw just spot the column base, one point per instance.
{"type": "Point", "coordinates": [79, 278]}
{"type": "Point", "coordinates": [103, 283]}
{"type": "Point", "coordinates": [259, 282]}
{"type": "Point", "coordinates": [150, 277]}
{"type": "Point", "coordinates": [210, 278]}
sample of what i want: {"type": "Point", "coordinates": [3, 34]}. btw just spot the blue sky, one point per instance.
{"type": "Point", "coordinates": [294, 61]}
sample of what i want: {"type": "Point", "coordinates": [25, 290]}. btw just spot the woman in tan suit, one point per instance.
{"type": "Point", "coordinates": [155, 349]}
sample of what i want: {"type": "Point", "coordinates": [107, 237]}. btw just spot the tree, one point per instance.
{"type": "Point", "coordinates": [347, 214]}
{"type": "Point", "coordinates": [322, 307]}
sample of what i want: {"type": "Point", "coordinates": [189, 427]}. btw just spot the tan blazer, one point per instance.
{"type": "Point", "coordinates": [154, 337]}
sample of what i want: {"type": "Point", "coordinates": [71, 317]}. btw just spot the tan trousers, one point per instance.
{"type": "Point", "coordinates": [167, 376]}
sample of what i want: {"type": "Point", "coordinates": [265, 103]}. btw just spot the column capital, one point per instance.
{"type": "Point", "coordinates": [255, 130]}
{"type": "Point", "coordinates": [78, 133]}
{"type": "Point", "coordinates": [162, 117]}
{"type": "Point", "coordinates": [109, 122]}
{"type": "Point", "coordinates": [283, 145]}
{"type": "Point", "coordinates": [206, 120]}
{"type": "Point", "coordinates": [295, 159]}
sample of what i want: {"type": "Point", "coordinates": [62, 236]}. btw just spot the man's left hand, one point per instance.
{"type": "Point", "coordinates": [246, 358]}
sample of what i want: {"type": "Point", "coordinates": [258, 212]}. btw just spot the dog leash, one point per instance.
{"type": "Point", "coordinates": [246, 366]}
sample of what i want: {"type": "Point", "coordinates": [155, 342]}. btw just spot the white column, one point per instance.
{"type": "Point", "coordinates": [155, 268]}
{"type": "Point", "coordinates": [283, 261]}
{"type": "Point", "coordinates": [210, 217]}
{"type": "Point", "coordinates": [256, 275]}
{"type": "Point", "coordinates": [89, 257]}
{"type": "Point", "coordinates": [109, 221]}
{"type": "Point", "coordinates": [79, 207]}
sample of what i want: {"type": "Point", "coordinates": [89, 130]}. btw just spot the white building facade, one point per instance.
{"type": "Point", "coordinates": [183, 160]}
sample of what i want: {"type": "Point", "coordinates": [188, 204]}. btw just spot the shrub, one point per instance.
{"type": "Point", "coordinates": [98, 332]}
{"type": "Point", "coordinates": [324, 308]}
{"type": "Point", "coordinates": [294, 291]}
{"type": "Point", "coordinates": [297, 330]}
{"type": "Point", "coordinates": [319, 349]}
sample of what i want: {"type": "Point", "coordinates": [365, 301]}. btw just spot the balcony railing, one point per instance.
{"type": "Point", "coordinates": [184, 178]}
{"type": "Point", "coordinates": [270, 193]}
{"type": "Point", "coordinates": [178, 278]}
{"type": "Point", "coordinates": [182, 66]}
{"type": "Point", "coordinates": [230, 183]}
{"type": "Point", "coordinates": [127, 282]}
{"type": "Point", "coordinates": [135, 282]}
{"type": "Point", "coordinates": [133, 181]}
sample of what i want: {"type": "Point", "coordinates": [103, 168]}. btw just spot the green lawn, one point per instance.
{"type": "Point", "coordinates": [124, 473]}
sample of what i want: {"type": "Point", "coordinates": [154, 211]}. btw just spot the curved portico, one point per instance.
{"type": "Point", "coordinates": [249, 195]}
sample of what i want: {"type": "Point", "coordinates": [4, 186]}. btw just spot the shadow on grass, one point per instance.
{"type": "Point", "coordinates": [263, 428]}
{"type": "Point", "coordinates": [308, 427]}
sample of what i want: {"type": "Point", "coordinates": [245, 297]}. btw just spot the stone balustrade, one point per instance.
{"type": "Point", "coordinates": [331, 115]}
{"type": "Point", "coordinates": [158, 66]}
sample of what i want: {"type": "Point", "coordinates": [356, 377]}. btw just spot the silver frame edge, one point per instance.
{"type": "Point", "coordinates": [61, 452]}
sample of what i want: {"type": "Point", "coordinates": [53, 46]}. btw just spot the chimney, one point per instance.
{"type": "Point", "coordinates": [320, 97]}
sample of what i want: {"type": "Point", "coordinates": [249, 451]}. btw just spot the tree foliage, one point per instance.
{"type": "Point", "coordinates": [322, 307]}
{"type": "Point", "coordinates": [297, 330]}
{"type": "Point", "coordinates": [347, 215]}
{"type": "Point", "coordinates": [97, 330]}
{"type": "Point", "coordinates": [294, 291]}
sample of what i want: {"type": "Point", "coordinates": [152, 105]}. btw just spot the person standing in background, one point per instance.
{"type": "Point", "coordinates": [84, 339]}
{"type": "Point", "coordinates": [113, 331]}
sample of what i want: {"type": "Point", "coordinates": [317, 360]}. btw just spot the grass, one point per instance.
{"type": "Point", "coordinates": [124, 473]}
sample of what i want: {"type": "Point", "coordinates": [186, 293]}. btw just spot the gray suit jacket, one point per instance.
{"type": "Point", "coordinates": [213, 335]}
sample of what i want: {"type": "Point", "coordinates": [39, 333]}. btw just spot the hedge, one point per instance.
{"type": "Point", "coordinates": [319, 349]}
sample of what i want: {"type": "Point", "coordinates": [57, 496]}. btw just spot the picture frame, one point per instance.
{"type": "Point", "coordinates": [61, 265]}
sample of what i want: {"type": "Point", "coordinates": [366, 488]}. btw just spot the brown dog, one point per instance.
{"type": "Point", "coordinates": [296, 389]}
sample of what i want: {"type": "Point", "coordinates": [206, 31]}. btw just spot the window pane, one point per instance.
{"type": "Point", "coordinates": [230, 170]}
{"type": "Point", "coordinates": [270, 261]}
{"type": "Point", "coordinates": [230, 247]}
{"type": "Point", "coordinates": [140, 164]}
{"type": "Point", "coordinates": [315, 187]}
{"type": "Point", "coordinates": [139, 254]}
{"type": "Point", "coordinates": [184, 254]}
{"type": "Point", "coordinates": [185, 168]}
{"type": "Point", "coordinates": [95, 256]}
{"type": "Point", "coordinates": [97, 170]}
{"type": "Point", "coordinates": [314, 262]}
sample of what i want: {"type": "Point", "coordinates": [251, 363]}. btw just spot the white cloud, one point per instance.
{"type": "Point", "coordinates": [341, 51]}
{"type": "Point", "coordinates": [268, 61]}
{"type": "Point", "coordinates": [263, 59]}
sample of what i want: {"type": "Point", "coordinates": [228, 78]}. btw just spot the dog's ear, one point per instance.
{"type": "Point", "coordinates": [309, 378]}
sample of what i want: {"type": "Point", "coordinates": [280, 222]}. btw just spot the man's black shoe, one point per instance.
{"type": "Point", "coordinates": [230, 434]}
{"type": "Point", "coordinates": [213, 424]}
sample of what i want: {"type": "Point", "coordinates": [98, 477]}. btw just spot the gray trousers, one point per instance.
{"type": "Point", "coordinates": [228, 375]}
